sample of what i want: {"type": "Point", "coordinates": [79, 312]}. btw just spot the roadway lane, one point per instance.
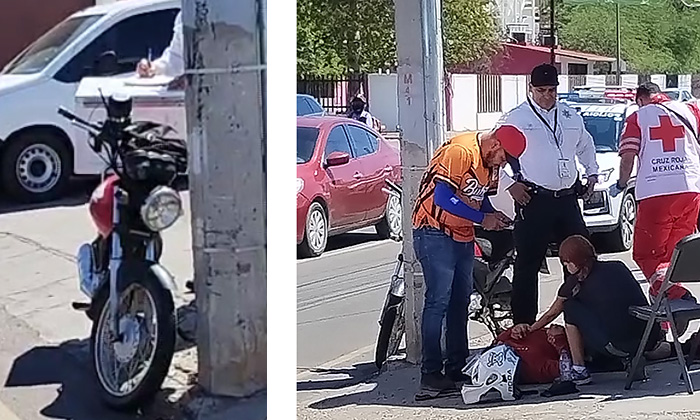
{"type": "Point", "coordinates": [340, 295]}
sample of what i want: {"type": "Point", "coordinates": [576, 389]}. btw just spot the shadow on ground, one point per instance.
{"type": "Point", "coordinates": [78, 194]}
{"type": "Point", "coordinates": [68, 366]}
{"type": "Point", "coordinates": [351, 239]}
{"type": "Point", "coordinates": [396, 385]}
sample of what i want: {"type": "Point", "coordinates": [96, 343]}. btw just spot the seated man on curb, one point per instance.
{"type": "Point", "coordinates": [595, 300]}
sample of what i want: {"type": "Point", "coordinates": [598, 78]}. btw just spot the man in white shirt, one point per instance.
{"type": "Point", "coordinates": [545, 183]}
{"type": "Point", "coordinates": [172, 62]}
{"type": "Point", "coordinates": [663, 136]}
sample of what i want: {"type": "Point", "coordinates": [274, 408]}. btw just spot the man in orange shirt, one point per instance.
{"type": "Point", "coordinates": [452, 197]}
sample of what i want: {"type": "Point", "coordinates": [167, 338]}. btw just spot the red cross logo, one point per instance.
{"type": "Point", "coordinates": [667, 133]}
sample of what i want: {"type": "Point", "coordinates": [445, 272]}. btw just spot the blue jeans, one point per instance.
{"type": "Point", "coordinates": [447, 269]}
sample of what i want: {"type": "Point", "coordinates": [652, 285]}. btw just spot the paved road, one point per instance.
{"type": "Point", "coordinates": [43, 352]}
{"type": "Point", "coordinates": [340, 295]}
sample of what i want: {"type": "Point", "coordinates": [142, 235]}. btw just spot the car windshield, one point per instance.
{"type": "Point", "coordinates": [605, 129]}
{"type": "Point", "coordinates": [306, 143]}
{"type": "Point", "coordinates": [42, 51]}
{"type": "Point", "coordinates": [673, 94]}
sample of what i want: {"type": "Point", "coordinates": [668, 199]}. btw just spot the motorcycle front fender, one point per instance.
{"type": "Point", "coordinates": [132, 270]}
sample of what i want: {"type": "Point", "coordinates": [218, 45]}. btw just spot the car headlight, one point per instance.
{"type": "Point", "coordinates": [300, 185]}
{"type": "Point", "coordinates": [604, 176]}
{"type": "Point", "coordinates": [161, 209]}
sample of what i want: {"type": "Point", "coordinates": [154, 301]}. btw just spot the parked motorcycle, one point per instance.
{"type": "Point", "coordinates": [133, 334]}
{"type": "Point", "coordinates": [490, 305]}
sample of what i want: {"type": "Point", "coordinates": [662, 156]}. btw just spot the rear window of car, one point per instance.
{"type": "Point", "coordinates": [306, 143]}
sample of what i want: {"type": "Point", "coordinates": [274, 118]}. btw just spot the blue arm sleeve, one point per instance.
{"type": "Point", "coordinates": [446, 199]}
{"type": "Point", "coordinates": [486, 206]}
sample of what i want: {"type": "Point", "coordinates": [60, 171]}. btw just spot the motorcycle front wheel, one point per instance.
{"type": "Point", "coordinates": [131, 368]}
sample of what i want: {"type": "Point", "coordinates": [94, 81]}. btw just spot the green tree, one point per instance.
{"type": "Point", "coordinates": [340, 36]}
{"type": "Point", "coordinates": [661, 37]}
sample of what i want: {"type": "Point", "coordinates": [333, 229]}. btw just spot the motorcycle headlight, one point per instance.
{"type": "Point", "coordinates": [161, 209]}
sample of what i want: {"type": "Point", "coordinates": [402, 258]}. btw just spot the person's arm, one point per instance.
{"type": "Point", "coordinates": [446, 199]}
{"type": "Point", "coordinates": [552, 313]}
{"type": "Point", "coordinates": [629, 149]}
{"type": "Point", "coordinates": [585, 151]}
{"type": "Point", "coordinates": [172, 62]}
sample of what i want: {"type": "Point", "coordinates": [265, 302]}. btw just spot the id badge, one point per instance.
{"type": "Point", "coordinates": [564, 171]}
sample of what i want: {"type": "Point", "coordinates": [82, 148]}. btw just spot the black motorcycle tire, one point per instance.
{"type": "Point", "coordinates": [391, 331]}
{"type": "Point", "coordinates": [164, 351]}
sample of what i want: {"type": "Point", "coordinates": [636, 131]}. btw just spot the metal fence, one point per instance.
{"type": "Point", "coordinates": [334, 94]}
{"type": "Point", "coordinates": [488, 93]}
{"type": "Point", "coordinates": [577, 80]}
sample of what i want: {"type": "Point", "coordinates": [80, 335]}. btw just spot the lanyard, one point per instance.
{"type": "Point", "coordinates": [546, 124]}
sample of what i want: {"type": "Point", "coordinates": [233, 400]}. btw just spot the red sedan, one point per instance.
{"type": "Point", "coordinates": [341, 168]}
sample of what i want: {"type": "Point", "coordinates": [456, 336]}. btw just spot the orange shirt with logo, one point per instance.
{"type": "Point", "coordinates": [458, 163]}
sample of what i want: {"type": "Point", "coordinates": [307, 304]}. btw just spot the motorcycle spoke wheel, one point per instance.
{"type": "Point", "coordinates": [122, 362]}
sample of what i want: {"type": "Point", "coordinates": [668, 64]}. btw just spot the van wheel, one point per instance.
{"type": "Point", "coordinates": [36, 167]}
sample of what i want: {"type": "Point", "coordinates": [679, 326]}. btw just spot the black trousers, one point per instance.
{"type": "Point", "coordinates": [625, 333]}
{"type": "Point", "coordinates": [543, 220]}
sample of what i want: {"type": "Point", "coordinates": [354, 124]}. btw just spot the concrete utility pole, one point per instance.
{"type": "Point", "coordinates": [225, 101]}
{"type": "Point", "coordinates": [421, 90]}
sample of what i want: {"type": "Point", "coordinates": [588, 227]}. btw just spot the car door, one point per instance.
{"type": "Point", "coordinates": [344, 181]}
{"type": "Point", "coordinates": [374, 170]}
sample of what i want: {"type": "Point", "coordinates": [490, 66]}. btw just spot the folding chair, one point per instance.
{"type": "Point", "coordinates": [684, 268]}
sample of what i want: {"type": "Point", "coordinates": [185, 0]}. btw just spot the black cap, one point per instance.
{"type": "Point", "coordinates": [544, 75]}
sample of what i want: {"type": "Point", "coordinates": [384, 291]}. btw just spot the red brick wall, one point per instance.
{"type": "Point", "coordinates": [23, 21]}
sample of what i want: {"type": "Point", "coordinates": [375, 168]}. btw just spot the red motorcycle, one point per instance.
{"type": "Point", "coordinates": [131, 303]}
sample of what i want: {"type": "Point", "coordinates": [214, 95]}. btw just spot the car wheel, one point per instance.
{"type": "Point", "coordinates": [36, 167]}
{"type": "Point", "coordinates": [390, 225]}
{"type": "Point", "coordinates": [621, 238]}
{"type": "Point", "coordinates": [315, 232]}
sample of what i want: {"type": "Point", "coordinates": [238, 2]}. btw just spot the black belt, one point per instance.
{"type": "Point", "coordinates": [541, 191]}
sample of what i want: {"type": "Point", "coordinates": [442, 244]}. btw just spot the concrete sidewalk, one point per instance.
{"type": "Point", "coordinates": [351, 388]}
{"type": "Point", "coordinates": [358, 392]}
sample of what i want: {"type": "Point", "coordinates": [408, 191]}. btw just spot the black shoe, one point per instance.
{"type": "Point", "coordinates": [434, 385]}
{"type": "Point", "coordinates": [458, 377]}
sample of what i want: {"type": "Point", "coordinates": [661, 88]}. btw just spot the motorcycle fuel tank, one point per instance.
{"type": "Point", "coordinates": [101, 205]}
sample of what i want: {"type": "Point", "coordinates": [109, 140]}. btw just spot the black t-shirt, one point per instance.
{"type": "Point", "coordinates": [608, 291]}
{"type": "Point", "coordinates": [569, 288]}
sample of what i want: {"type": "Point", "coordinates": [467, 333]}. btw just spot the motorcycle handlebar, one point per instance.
{"type": "Point", "coordinates": [76, 119]}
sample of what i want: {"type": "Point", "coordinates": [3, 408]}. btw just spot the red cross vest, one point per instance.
{"type": "Point", "coordinates": [669, 155]}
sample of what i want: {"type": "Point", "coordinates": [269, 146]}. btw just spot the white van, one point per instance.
{"type": "Point", "coordinates": [39, 152]}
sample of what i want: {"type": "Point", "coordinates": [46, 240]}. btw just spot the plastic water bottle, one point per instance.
{"type": "Point", "coordinates": [565, 366]}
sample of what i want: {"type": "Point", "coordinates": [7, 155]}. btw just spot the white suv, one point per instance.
{"type": "Point", "coordinates": [611, 216]}
{"type": "Point", "coordinates": [38, 152]}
